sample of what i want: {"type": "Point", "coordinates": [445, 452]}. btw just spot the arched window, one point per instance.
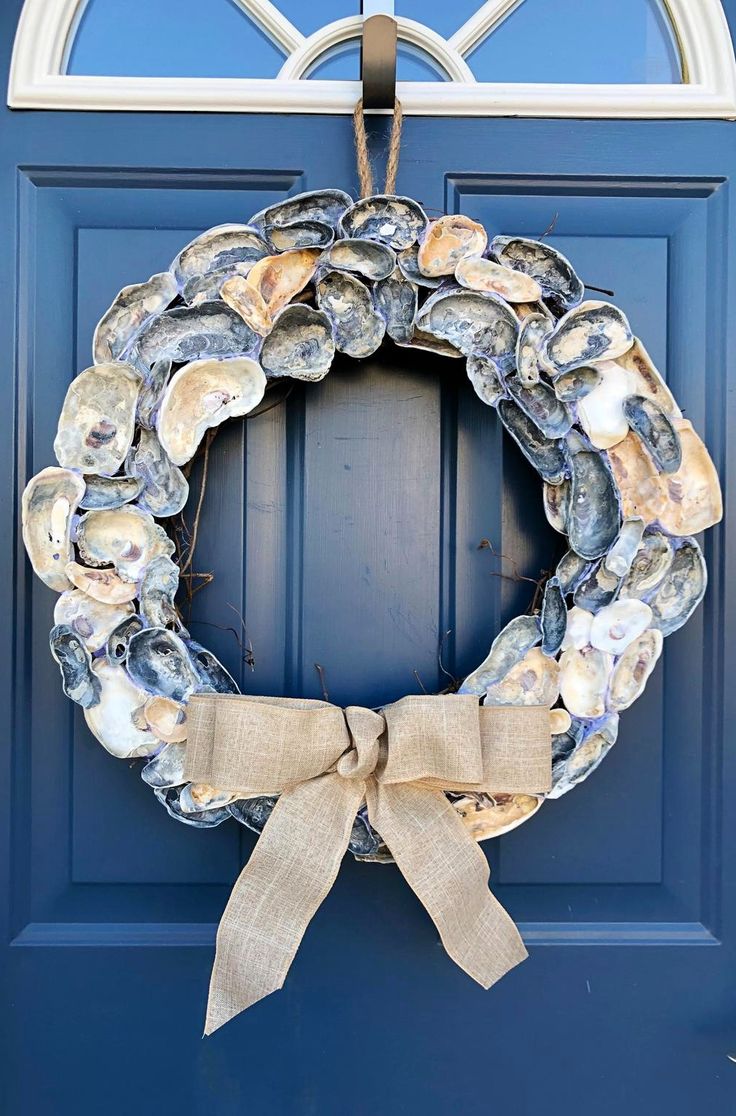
{"type": "Point", "coordinates": [625, 58]}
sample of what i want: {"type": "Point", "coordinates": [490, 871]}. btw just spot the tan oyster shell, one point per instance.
{"type": "Point", "coordinates": [556, 499]}
{"type": "Point", "coordinates": [618, 624]}
{"type": "Point", "coordinates": [631, 673]}
{"type": "Point", "coordinates": [479, 274]}
{"type": "Point", "coordinates": [447, 241]}
{"type": "Point", "coordinates": [638, 480]}
{"type": "Point", "coordinates": [601, 411]}
{"type": "Point", "coordinates": [49, 501]}
{"type": "Point", "coordinates": [647, 380]}
{"type": "Point", "coordinates": [202, 394]}
{"type": "Point", "coordinates": [490, 815]}
{"type": "Point", "coordinates": [278, 278]}
{"type": "Point", "coordinates": [126, 538]}
{"type": "Point", "coordinates": [97, 421]}
{"type": "Point", "coordinates": [114, 720]}
{"type": "Point", "coordinates": [531, 681]}
{"type": "Point", "coordinates": [166, 718]}
{"type": "Point", "coordinates": [195, 797]}
{"type": "Point", "coordinates": [92, 621]}
{"type": "Point", "coordinates": [102, 585]}
{"type": "Point", "coordinates": [245, 300]}
{"type": "Point", "coordinates": [584, 677]}
{"type": "Point", "coordinates": [559, 721]}
{"type": "Point", "coordinates": [693, 493]}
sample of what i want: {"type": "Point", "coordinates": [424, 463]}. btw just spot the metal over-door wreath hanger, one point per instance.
{"type": "Point", "coordinates": [625, 478]}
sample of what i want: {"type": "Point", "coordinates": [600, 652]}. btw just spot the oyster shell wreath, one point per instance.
{"type": "Point", "coordinates": [625, 477]}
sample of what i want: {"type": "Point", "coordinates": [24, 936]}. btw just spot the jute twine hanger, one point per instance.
{"type": "Point", "coordinates": [365, 170]}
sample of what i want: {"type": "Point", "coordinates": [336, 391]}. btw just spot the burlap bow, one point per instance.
{"type": "Point", "coordinates": [324, 763]}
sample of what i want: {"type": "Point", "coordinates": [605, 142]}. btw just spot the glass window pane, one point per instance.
{"type": "Point", "coordinates": [441, 16]}
{"type": "Point", "coordinates": [309, 15]}
{"type": "Point", "coordinates": [569, 41]}
{"type": "Point", "coordinates": [171, 38]}
{"type": "Point", "coordinates": [343, 64]}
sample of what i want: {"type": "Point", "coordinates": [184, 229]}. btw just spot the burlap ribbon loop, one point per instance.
{"type": "Point", "coordinates": [323, 763]}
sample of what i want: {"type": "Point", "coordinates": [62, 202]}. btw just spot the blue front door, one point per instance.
{"type": "Point", "coordinates": [344, 526]}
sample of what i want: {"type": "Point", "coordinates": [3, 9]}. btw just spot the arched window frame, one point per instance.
{"type": "Point", "coordinates": [46, 31]}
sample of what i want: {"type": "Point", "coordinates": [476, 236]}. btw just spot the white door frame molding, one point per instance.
{"type": "Point", "coordinates": [46, 31]}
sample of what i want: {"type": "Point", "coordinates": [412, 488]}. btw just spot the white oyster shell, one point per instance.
{"type": "Point", "coordinates": [49, 502]}
{"type": "Point", "coordinates": [130, 310]}
{"type": "Point", "coordinates": [616, 625]}
{"type": "Point", "coordinates": [203, 394]}
{"type": "Point", "coordinates": [584, 677]}
{"type": "Point", "coordinates": [577, 633]}
{"type": "Point", "coordinates": [97, 421]}
{"type": "Point", "coordinates": [601, 411]}
{"type": "Point", "coordinates": [631, 673]}
{"type": "Point", "coordinates": [92, 621]}
{"type": "Point", "coordinates": [117, 718]}
{"type": "Point", "coordinates": [126, 538]}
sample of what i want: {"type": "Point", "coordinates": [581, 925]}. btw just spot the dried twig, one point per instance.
{"type": "Point", "coordinates": [515, 576]}
{"type": "Point", "coordinates": [551, 226]}
{"type": "Point", "coordinates": [422, 687]}
{"type": "Point", "coordinates": [322, 680]}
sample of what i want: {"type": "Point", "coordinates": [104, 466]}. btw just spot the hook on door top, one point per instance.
{"type": "Point", "coordinates": [378, 55]}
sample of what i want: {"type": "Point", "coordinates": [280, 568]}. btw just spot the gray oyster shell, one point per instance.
{"type": "Point", "coordinates": [159, 663]}
{"type": "Point", "coordinates": [231, 246]}
{"type": "Point", "coordinates": [301, 234]}
{"type": "Point", "coordinates": [542, 406]}
{"type": "Point", "coordinates": [131, 309]}
{"type": "Point", "coordinates": [158, 589]}
{"type": "Point", "coordinates": [166, 768]}
{"type": "Point", "coordinates": [585, 756]}
{"type": "Point", "coordinates": [554, 273]}
{"type": "Point", "coordinates": [681, 590]}
{"type": "Point", "coordinates": [75, 664]}
{"type": "Point", "coordinates": [151, 392]}
{"type": "Point", "coordinates": [210, 671]}
{"type": "Point", "coordinates": [367, 258]}
{"type": "Point", "coordinates": [357, 327]}
{"type": "Point", "coordinates": [621, 555]}
{"type": "Point", "coordinates": [577, 383]}
{"type": "Point", "coordinates": [597, 589]}
{"type": "Point", "coordinates": [594, 518]}
{"type": "Point", "coordinates": [508, 648]}
{"type": "Point", "coordinates": [409, 267]}
{"type": "Point", "coordinates": [118, 640]}
{"type": "Point", "coordinates": [300, 345]}
{"type": "Point", "coordinates": [547, 456]}
{"type": "Point", "coordinates": [656, 431]}
{"type": "Point", "coordinates": [556, 501]}
{"type": "Point", "coordinates": [532, 332]}
{"type": "Point", "coordinates": [592, 332]}
{"type": "Point", "coordinates": [324, 206]}
{"type": "Point", "coordinates": [164, 487]}
{"type": "Point", "coordinates": [188, 333]}
{"type": "Point", "coordinates": [553, 620]}
{"type": "Point", "coordinates": [473, 323]}
{"type": "Point", "coordinates": [394, 221]}
{"type": "Point", "coordinates": [571, 569]}
{"type": "Point", "coordinates": [105, 493]}
{"type": "Point", "coordinates": [486, 380]}
{"type": "Point", "coordinates": [97, 421]}
{"type": "Point", "coordinates": [650, 564]}
{"type": "Point", "coordinates": [253, 813]}
{"type": "Point", "coordinates": [396, 300]}
{"type": "Point", "coordinates": [207, 819]}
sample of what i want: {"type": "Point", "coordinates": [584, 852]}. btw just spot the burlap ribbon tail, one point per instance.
{"type": "Point", "coordinates": [324, 762]}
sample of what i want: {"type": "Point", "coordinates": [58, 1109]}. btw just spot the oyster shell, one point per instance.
{"type": "Point", "coordinates": [532, 681]}
{"type": "Point", "coordinates": [577, 383]}
{"type": "Point", "coordinates": [300, 345]}
{"type": "Point", "coordinates": [202, 395]}
{"type": "Point", "coordinates": [255, 812]}
{"type": "Point", "coordinates": [618, 624]}
{"type": "Point", "coordinates": [75, 664]}
{"type": "Point", "coordinates": [194, 798]}
{"type": "Point", "coordinates": [577, 631]}
{"type": "Point", "coordinates": [540, 403]}
{"type": "Point", "coordinates": [166, 768]}
{"type": "Point", "coordinates": [409, 267]}
{"type": "Point", "coordinates": [278, 278]}
{"type": "Point", "coordinates": [102, 585]}
{"type": "Point", "coordinates": [681, 590]}
{"type": "Point", "coordinates": [486, 380]}
{"type": "Point", "coordinates": [480, 274]}
{"type": "Point", "coordinates": [601, 412]}
{"type": "Point", "coordinates": [211, 673]}
{"type": "Point", "coordinates": [396, 301]}
{"type": "Point", "coordinates": [165, 488]}
{"type": "Point", "coordinates": [473, 323]}
{"type": "Point", "coordinates": [323, 206]}
{"type": "Point", "coordinates": [97, 421]}
{"type": "Point", "coordinates": [449, 240]}
{"type": "Point", "coordinates": [631, 672]}
{"type": "Point", "coordinates": [106, 493]}
{"type": "Point", "coordinates": [429, 344]}
{"type": "Point", "coordinates": [114, 720]}
{"type": "Point", "coordinates": [159, 663]}
{"type": "Point", "coordinates": [368, 258]}
{"type": "Point", "coordinates": [693, 493]}
{"type": "Point", "coordinates": [592, 332]}
{"type": "Point", "coordinates": [490, 815]}
{"type": "Point", "coordinates": [232, 246]}
{"type": "Point", "coordinates": [90, 620]}
{"type": "Point", "coordinates": [647, 380]}
{"type": "Point", "coordinates": [571, 569]}
{"type": "Point", "coordinates": [650, 563]}
{"type": "Point", "coordinates": [167, 719]}
{"type": "Point", "coordinates": [597, 589]}
{"type": "Point", "coordinates": [621, 555]}
{"type": "Point", "coordinates": [637, 479]}
{"type": "Point", "coordinates": [547, 456]}
{"type": "Point", "coordinates": [158, 589]}
{"type": "Point", "coordinates": [206, 819]}
{"type": "Point", "coordinates": [508, 648]}
{"type": "Point", "coordinates": [126, 538]}
{"type": "Point", "coordinates": [656, 431]}
{"type": "Point", "coordinates": [119, 639]}
{"type": "Point", "coordinates": [185, 333]}
{"type": "Point", "coordinates": [131, 309]}
{"type": "Point", "coordinates": [548, 267]}
{"type": "Point", "coordinates": [248, 302]}
{"type": "Point", "coordinates": [358, 329]}
{"type": "Point", "coordinates": [553, 619]}
{"type": "Point", "coordinates": [560, 721]}
{"type": "Point", "coordinates": [151, 392]}
{"type": "Point", "coordinates": [301, 234]}
{"type": "Point", "coordinates": [395, 221]}
{"type": "Point", "coordinates": [585, 757]}
{"type": "Point", "coordinates": [584, 677]}
{"type": "Point", "coordinates": [593, 520]}
{"type": "Point", "coordinates": [49, 502]}
{"type": "Point", "coordinates": [532, 332]}
{"type": "Point", "coordinates": [556, 500]}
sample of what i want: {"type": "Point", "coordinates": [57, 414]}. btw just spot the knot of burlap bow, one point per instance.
{"type": "Point", "coordinates": [324, 762]}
